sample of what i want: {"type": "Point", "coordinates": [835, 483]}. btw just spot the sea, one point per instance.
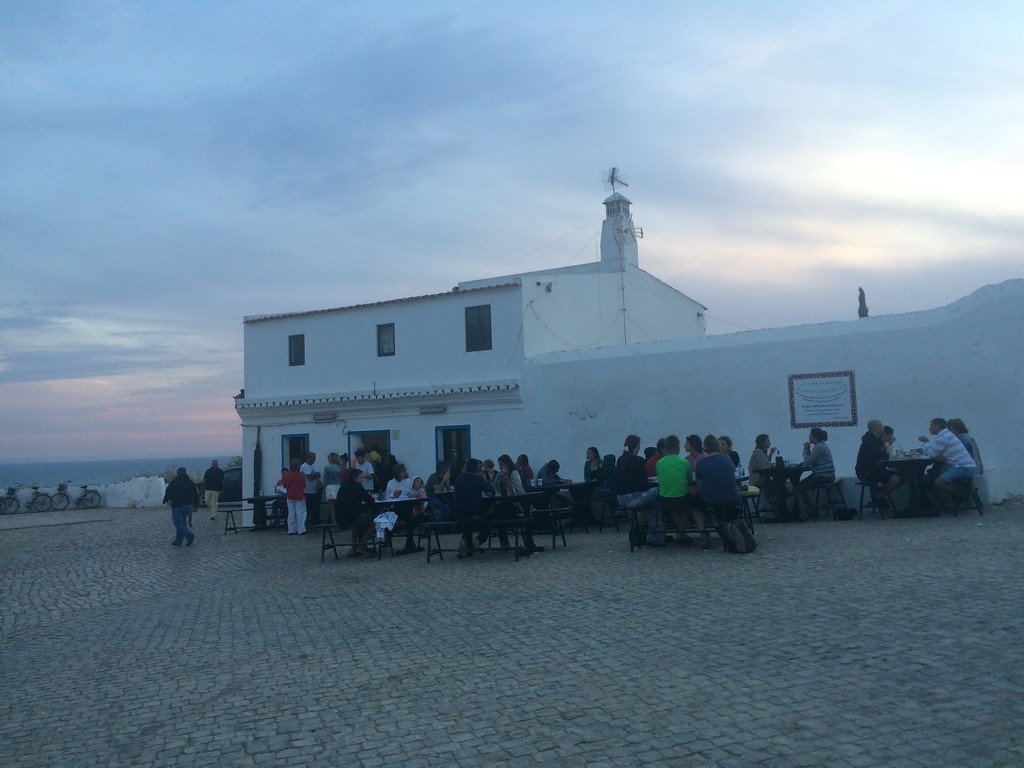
{"type": "Point", "coordinates": [50, 473]}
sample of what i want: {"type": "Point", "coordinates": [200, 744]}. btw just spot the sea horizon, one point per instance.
{"type": "Point", "coordinates": [99, 472]}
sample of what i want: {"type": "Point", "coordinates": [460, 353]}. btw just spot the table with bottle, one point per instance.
{"type": "Point", "coordinates": [911, 467]}
{"type": "Point", "coordinates": [779, 473]}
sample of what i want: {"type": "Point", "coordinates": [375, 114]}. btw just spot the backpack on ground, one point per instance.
{"type": "Point", "coordinates": [736, 537]}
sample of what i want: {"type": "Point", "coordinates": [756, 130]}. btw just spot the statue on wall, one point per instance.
{"type": "Point", "coordinates": [862, 310]}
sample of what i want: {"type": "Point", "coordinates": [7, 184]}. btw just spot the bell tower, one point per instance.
{"type": "Point", "coordinates": [618, 235]}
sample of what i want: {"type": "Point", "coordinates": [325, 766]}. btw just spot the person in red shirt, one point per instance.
{"type": "Point", "coordinates": [294, 483]}
{"type": "Point", "coordinates": [652, 463]}
{"type": "Point", "coordinates": [525, 471]}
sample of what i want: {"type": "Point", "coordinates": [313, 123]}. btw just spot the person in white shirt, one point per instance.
{"type": "Point", "coordinates": [956, 464]}
{"type": "Point", "coordinates": [313, 489]}
{"type": "Point", "coordinates": [366, 468]}
{"type": "Point", "coordinates": [891, 446]}
{"type": "Point", "coordinates": [400, 486]}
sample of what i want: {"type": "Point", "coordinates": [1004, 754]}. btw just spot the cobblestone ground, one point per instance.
{"type": "Point", "coordinates": [863, 643]}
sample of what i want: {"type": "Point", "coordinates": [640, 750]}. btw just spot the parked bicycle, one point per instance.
{"type": "Point", "coordinates": [61, 498]}
{"type": "Point", "coordinates": [10, 503]}
{"type": "Point", "coordinates": [40, 502]}
{"type": "Point", "coordinates": [87, 499]}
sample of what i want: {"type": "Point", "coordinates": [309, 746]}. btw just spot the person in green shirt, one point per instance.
{"type": "Point", "coordinates": [674, 477]}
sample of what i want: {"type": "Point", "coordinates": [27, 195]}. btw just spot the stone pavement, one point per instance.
{"type": "Point", "coordinates": [864, 643]}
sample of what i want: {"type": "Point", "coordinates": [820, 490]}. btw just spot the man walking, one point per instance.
{"type": "Point", "coordinates": [183, 495]}
{"type": "Point", "coordinates": [213, 484]}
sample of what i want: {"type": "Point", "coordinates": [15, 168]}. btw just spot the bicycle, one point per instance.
{"type": "Point", "coordinates": [61, 498]}
{"type": "Point", "coordinates": [88, 499]}
{"type": "Point", "coordinates": [10, 503]}
{"type": "Point", "coordinates": [40, 502]}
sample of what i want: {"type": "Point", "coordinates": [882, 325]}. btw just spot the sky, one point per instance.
{"type": "Point", "coordinates": [167, 168]}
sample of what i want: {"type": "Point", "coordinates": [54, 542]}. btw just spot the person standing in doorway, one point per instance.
{"type": "Point", "coordinates": [366, 468]}
{"type": "Point", "coordinates": [313, 490]}
{"type": "Point", "coordinates": [183, 496]}
{"type": "Point", "coordinates": [213, 484]}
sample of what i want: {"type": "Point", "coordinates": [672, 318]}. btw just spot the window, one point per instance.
{"type": "Point", "coordinates": [293, 447]}
{"type": "Point", "coordinates": [297, 349]}
{"type": "Point", "coordinates": [452, 445]}
{"type": "Point", "coordinates": [386, 340]}
{"type": "Point", "coordinates": [478, 328]}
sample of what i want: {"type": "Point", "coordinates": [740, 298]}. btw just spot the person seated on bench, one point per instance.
{"type": "Point", "coordinates": [817, 458]}
{"type": "Point", "coordinates": [354, 507]}
{"type": "Point", "coordinates": [674, 477]}
{"type": "Point", "coordinates": [761, 458]}
{"type": "Point", "coordinates": [549, 478]}
{"type": "Point", "coordinates": [440, 482]}
{"type": "Point", "coordinates": [634, 489]}
{"type": "Point", "coordinates": [716, 485]}
{"type": "Point", "coordinates": [871, 459]}
{"type": "Point", "coordinates": [958, 428]}
{"type": "Point", "coordinates": [491, 475]}
{"type": "Point", "coordinates": [511, 484]}
{"type": "Point", "coordinates": [607, 477]}
{"type": "Point", "coordinates": [953, 459]}
{"type": "Point", "coordinates": [470, 488]}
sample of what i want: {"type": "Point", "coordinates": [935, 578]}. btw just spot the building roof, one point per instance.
{"type": "Point", "coordinates": [617, 196]}
{"type": "Point", "coordinates": [586, 268]}
{"type": "Point", "coordinates": [380, 395]}
{"type": "Point", "coordinates": [454, 292]}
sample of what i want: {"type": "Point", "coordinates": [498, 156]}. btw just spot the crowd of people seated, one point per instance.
{"type": "Point", "coordinates": [676, 479]}
{"type": "Point", "coordinates": [357, 495]}
{"type": "Point", "coordinates": [684, 487]}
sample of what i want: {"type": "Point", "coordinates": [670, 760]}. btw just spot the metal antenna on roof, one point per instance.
{"type": "Point", "coordinates": [613, 178]}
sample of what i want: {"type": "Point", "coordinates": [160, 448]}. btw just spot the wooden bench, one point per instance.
{"type": "Point", "coordinates": [713, 517]}
{"type": "Point", "coordinates": [327, 539]}
{"type": "Point", "coordinates": [432, 531]}
{"type": "Point", "coordinates": [514, 526]}
{"type": "Point", "coordinates": [229, 518]}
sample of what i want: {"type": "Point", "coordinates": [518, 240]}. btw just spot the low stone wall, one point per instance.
{"type": "Point", "coordinates": [130, 494]}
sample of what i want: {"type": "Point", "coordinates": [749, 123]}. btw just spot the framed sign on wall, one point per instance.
{"type": "Point", "coordinates": [822, 399]}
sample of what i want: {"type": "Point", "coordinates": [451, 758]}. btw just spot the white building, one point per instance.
{"type": "Point", "coordinates": [388, 375]}
{"type": "Point", "coordinates": [550, 362]}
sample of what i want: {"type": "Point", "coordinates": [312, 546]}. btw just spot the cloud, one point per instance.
{"type": "Point", "coordinates": [171, 168]}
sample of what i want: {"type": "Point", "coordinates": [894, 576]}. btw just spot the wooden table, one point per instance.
{"type": "Point", "coordinates": [911, 469]}
{"type": "Point", "coordinates": [779, 476]}
{"type": "Point", "coordinates": [514, 512]}
{"type": "Point", "coordinates": [404, 509]}
{"type": "Point", "coordinates": [260, 520]}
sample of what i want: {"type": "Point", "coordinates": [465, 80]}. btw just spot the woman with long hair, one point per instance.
{"type": "Point", "coordinates": [592, 466]}
{"type": "Point", "coordinates": [635, 492]}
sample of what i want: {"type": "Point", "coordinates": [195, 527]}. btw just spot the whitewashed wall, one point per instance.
{"type": "Point", "coordinates": [584, 311]}
{"type": "Point", "coordinates": [341, 347]}
{"type": "Point", "coordinates": [964, 360]}
{"type": "Point", "coordinates": [657, 311]}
